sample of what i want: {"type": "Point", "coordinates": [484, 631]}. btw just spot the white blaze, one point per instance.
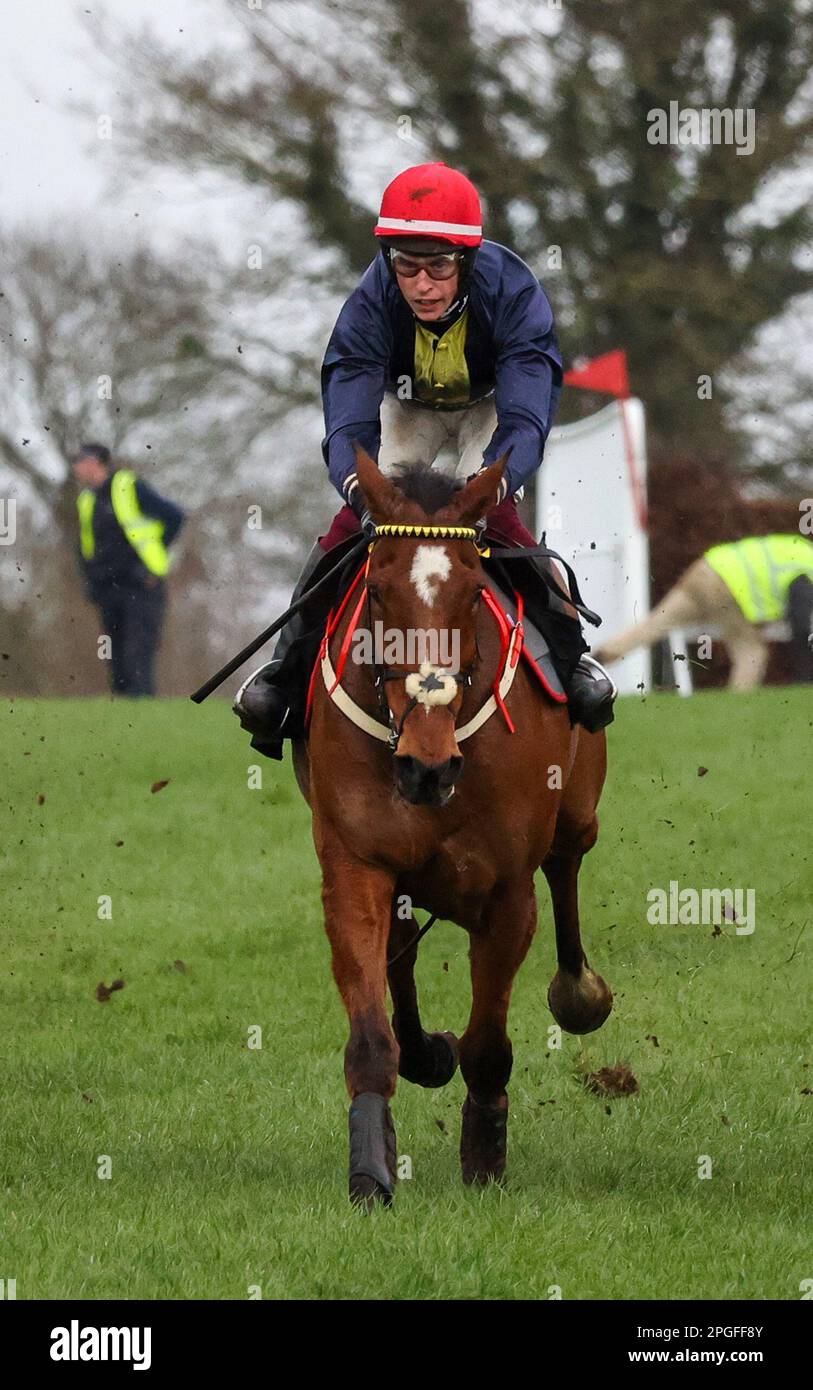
{"type": "Point", "coordinates": [430, 567]}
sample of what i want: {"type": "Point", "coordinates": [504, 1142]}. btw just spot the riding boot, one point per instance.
{"type": "Point", "coordinates": [589, 689]}
{"type": "Point", "coordinates": [270, 703]}
{"type": "Point", "coordinates": [591, 694]}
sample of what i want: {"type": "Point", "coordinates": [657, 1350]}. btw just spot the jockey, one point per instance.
{"type": "Point", "coordinates": [447, 340]}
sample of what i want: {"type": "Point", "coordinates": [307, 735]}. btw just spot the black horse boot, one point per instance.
{"type": "Point", "coordinates": [270, 703]}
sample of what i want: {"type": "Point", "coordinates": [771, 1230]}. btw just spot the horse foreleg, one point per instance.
{"type": "Point", "coordinates": [427, 1059]}
{"type": "Point", "coordinates": [357, 900]}
{"type": "Point", "coordinates": [579, 999]}
{"type": "Point", "coordinates": [497, 951]}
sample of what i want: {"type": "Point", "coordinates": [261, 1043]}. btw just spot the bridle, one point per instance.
{"type": "Point", "coordinates": [389, 730]}
{"type": "Point", "coordinates": [427, 681]}
{"type": "Point", "coordinates": [428, 685]}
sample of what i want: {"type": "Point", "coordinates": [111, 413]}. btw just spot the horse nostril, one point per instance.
{"type": "Point", "coordinates": [450, 771]}
{"type": "Point", "coordinates": [408, 770]}
{"type": "Point", "coordinates": [421, 783]}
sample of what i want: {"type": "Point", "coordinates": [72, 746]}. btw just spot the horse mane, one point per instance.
{"type": "Point", "coordinates": [427, 487]}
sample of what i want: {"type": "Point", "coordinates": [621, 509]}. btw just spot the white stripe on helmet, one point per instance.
{"type": "Point", "coordinates": [402, 224]}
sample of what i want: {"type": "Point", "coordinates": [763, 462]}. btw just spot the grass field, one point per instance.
{"type": "Point", "coordinates": [229, 1164]}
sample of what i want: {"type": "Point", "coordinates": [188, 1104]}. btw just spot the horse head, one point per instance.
{"type": "Point", "coordinates": [424, 584]}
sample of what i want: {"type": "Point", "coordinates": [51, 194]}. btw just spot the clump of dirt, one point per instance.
{"type": "Point", "coordinates": [612, 1081]}
{"type": "Point", "coordinates": [103, 993]}
{"type": "Point", "coordinates": [159, 786]}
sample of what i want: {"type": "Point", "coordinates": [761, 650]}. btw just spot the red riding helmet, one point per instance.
{"type": "Point", "coordinates": [434, 202]}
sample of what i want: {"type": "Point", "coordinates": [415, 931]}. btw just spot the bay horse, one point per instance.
{"type": "Point", "coordinates": [402, 820]}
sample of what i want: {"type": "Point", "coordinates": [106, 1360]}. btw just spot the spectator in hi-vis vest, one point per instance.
{"type": "Point", "coordinates": [736, 587]}
{"type": "Point", "coordinates": [125, 529]}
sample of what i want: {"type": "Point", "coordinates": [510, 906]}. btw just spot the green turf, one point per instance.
{"type": "Point", "coordinates": [229, 1164]}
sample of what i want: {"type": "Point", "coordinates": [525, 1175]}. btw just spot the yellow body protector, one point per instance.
{"type": "Point", "coordinates": [441, 371]}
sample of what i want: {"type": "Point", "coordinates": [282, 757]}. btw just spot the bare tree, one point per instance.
{"type": "Point", "coordinates": [680, 252]}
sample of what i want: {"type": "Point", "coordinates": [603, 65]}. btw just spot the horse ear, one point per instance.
{"type": "Point", "coordinates": [479, 495]}
{"type": "Point", "coordinates": [380, 494]}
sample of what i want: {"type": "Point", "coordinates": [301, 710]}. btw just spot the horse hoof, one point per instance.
{"type": "Point", "coordinates": [373, 1151]}
{"type": "Point", "coordinates": [434, 1064]}
{"type": "Point", "coordinates": [580, 1004]}
{"type": "Point", "coordinates": [484, 1141]}
{"type": "Point", "coordinates": [367, 1194]}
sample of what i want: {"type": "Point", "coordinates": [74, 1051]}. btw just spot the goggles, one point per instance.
{"type": "Point", "coordinates": [440, 265]}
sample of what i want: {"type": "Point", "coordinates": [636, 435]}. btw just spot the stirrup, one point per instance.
{"type": "Point", "coordinates": [237, 703]}
{"type": "Point", "coordinates": [266, 713]}
{"type": "Point", "coordinates": [597, 671]}
{"type": "Point", "coordinates": [592, 704]}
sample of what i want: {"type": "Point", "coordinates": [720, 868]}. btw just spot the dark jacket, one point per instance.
{"type": "Point", "coordinates": [511, 349]}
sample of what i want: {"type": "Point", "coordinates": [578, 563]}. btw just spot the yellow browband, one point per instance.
{"type": "Point", "coordinates": [458, 533]}
{"type": "Point", "coordinates": [427, 532]}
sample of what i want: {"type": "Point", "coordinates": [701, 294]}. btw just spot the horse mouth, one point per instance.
{"type": "Point", "coordinates": [422, 785]}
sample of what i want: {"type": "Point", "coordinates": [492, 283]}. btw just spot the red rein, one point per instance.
{"type": "Point", "coordinates": [505, 641]}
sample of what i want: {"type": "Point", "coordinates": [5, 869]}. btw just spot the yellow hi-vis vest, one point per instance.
{"type": "Point", "coordinates": [144, 533]}
{"type": "Point", "coordinates": [760, 570]}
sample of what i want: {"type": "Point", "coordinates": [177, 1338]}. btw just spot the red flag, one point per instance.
{"type": "Point", "coordinates": [606, 373]}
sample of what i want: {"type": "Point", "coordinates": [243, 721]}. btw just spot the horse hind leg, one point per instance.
{"type": "Point", "coordinates": [426, 1059]}
{"type": "Point", "coordinates": [579, 999]}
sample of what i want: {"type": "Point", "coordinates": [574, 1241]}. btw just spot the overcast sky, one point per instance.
{"type": "Point", "coordinates": [51, 160]}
